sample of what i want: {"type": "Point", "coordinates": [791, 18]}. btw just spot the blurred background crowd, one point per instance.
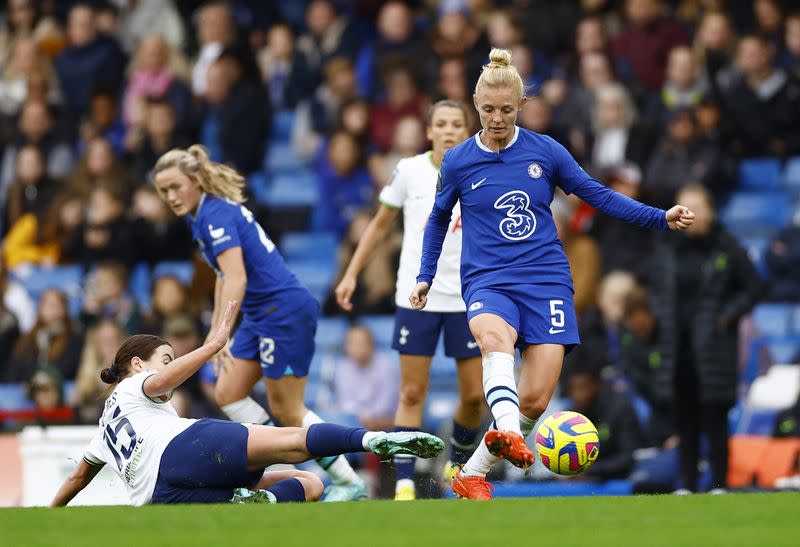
{"type": "Point", "coordinates": [685, 337]}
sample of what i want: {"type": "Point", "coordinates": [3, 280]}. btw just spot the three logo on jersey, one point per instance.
{"type": "Point", "coordinates": [519, 222]}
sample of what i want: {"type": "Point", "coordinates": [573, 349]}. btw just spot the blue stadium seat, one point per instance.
{"type": "Point", "coordinates": [140, 284]}
{"type": "Point", "coordinates": [382, 327]}
{"type": "Point", "coordinates": [784, 349]}
{"type": "Point", "coordinates": [14, 397]}
{"type": "Point", "coordinates": [439, 407]}
{"type": "Point", "coordinates": [758, 210]}
{"type": "Point", "coordinates": [282, 123]}
{"type": "Point", "coordinates": [258, 184]}
{"type": "Point", "coordinates": [68, 279]}
{"type": "Point", "coordinates": [293, 190]}
{"type": "Point", "coordinates": [773, 319]}
{"type": "Point", "coordinates": [759, 174]}
{"type": "Point", "coordinates": [309, 246]}
{"type": "Point", "coordinates": [183, 270]}
{"type": "Point", "coordinates": [794, 324]}
{"type": "Point", "coordinates": [331, 332]}
{"type": "Point", "coordinates": [758, 422]}
{"type": "Point", "coordinates": [791, 174]}
{"type": "Point", "coordinates": [756, 248]}
{"type": "Point", "coordinates": [280, 158]}
{"type": "Point", "coordinates": [316, 277]}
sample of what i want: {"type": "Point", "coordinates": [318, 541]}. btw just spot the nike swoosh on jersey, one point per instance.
{"type": "Point", "coordinates": [476, 184]}
{"type": "Point", "coordinates": [556, 331]}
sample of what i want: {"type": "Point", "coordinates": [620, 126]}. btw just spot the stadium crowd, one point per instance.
{"type": "Point", "coordinates": [688, 101]}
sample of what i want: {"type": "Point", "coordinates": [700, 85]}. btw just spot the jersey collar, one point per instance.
{"type": "Point", "coordinates": [487, 149]}
{"type": "Point", "coordinates": [199, 206]}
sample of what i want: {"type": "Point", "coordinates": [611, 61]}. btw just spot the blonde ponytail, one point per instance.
{"type": "Point", "coordinates": [500, 73]}
{"type": "Point", "coordinates": [212, 177]}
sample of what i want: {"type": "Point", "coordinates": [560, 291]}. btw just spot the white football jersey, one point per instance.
{"type": "Point", "coordinates": [413, 189]}
{"type": "Point", "coordinates": [134, 432]}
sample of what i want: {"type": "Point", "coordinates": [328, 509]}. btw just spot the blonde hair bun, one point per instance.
{"type": "Point", "coordinates": [500, 57]}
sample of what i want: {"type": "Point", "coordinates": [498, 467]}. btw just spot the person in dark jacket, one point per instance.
{"type": "Point", "coordinates": [613, 415]}
{"type": "Point", "coordinates": [783, 261]}
{"type": "Point", "coordinates": [701, 284]}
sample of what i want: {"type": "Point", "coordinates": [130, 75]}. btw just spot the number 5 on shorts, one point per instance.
{"type": "Point", "coordinates": [266, 349]}
{"type": "Point", "coordinates": [556, 317]}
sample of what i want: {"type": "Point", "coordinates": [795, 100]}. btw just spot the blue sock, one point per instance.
{"type": "Point", "coordinates": [404, 464]}
{"type": "Point", "coordinates": [462, 443]}
{"type": "Point", "coordinates": [288, 490]}
{"type": "Point", "coordinates": [332, 440]}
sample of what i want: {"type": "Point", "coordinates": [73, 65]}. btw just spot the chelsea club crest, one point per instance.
{"type": "Point", "coordinates": [535, 170]}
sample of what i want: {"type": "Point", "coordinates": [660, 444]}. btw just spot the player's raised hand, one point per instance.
{"type": "Point", "coordinates": [419, 296]}
{"type": "Point", "coordinates": [344, 292]}
{"type": "Point", "coordinates": [222, 331]}
{"type": "Point", "coordinates": [679, 218]}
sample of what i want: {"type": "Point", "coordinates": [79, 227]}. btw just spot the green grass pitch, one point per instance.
{"type": "Point", "coordinates": [736, 519]}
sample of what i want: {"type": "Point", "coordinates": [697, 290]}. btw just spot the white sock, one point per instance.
{"type": "Point", "coordinates": [339, 470]}
{"type": "Point", "coordinates": [480, 463]}
{"type": "Point", "coordinates": [368, 436]}
{"type": "Point", "coordinates": [500, 389]}
{"type": "Point", "coordinates": [526, 424]}
{"type": "Point", "coordinates": [246, 411]}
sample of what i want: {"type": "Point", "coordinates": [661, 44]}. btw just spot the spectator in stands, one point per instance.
{"type": "Point", "coordinates": [583, 255]}
{"type": "Point", "coordinates": [106, 296]}
{"type": "Point", "coordinates": [397, 42]}
{"type": "Point", "coordinates": [26, 64]}
{"type": "Point", "coordinates": [789, 57]}
{"type": "Point", "coordinates": [144, 18]}
{"type": "Point", "coordinates": [367, 382]}
{"type": "Point", "coordinates": [618, 138]}
{"type": "Point", "coordinates": [156, 72]}
{"type": "Point", "coordinates": [105, 233]}
{"type": "Point", "coordinates": [783, 260]}
{"type": "Point", "coordinates": [35, 127]}
{"type": "Point", "coordinates": [284, 70]}
{"type": "Point", "coordinates": [33, 189]}
{"type": "Point", "coordinates": [329, 36]}
{"type": "Point", "coordinates": [168, 236]}
{"type": "Point", "coordinates": [537, 116]}
{"type": "Point", "coordinates": [100, 166]}
{"type": "Point", "coordinates": [455, 35]}
{"type": "Point", "coordinates": [452, 81]}
{"type": "Point", "coordinates": [180, 331]}
{"type": "Point", "coordinates": [613, 415]}
{"type": "Point", "coordinates": [99, 349]}
{"type": "Point", "coordinates": [354, 119]}
{"type": "Point", "coordinates": [714, 47]}
{"type": "Point", "coordinates": [646, 40]}
{"type": "Point", "coordinates": [762, 110]}
{"type": "Point", "coordinates": [316, 116]}
{"type": "Point", "coordinates": [591, 36]}
{"type": "Point", "coordinates": [403, 98]}
{"type": "Point", "coordinates": [702, 284]}
{"type": "Point", "coordinates": [215, 32]}
{"type": "Point", "coordinates": [769, 21]}
{"type": "Point", "coordinates": [103, 121]}
{"type": "Point", "coordinates": [39, 237]}
{"type": "Point", "coordinates": [169, 298]}
{"type": "Point", "coordinates": [54, 341]}
{"type": "Point", "coordinates": [640, 361]}
{"type": "Point", "coordinates": [25, 20]}
{"type": "Point", "coordinates": [682, 89]}
{"type": "Point", "coordinates": [236, 118]}
{"type": "Point", "coordinates": [46, 391]}
{"type": "Point", "coordinates": [409, 140]}
{"type": "Point", "coordinates": [158, 134]}
{"type": "Point", "coordinates": [680, 158]}
{"type": "Point", "coordinates": [376, 283]}
{"type": "Point", "coordinates": [89, 60]}
{"type": "Point", "coordinates": [344, 183]}
{"type": "Point", "coordinates": [9, 323]}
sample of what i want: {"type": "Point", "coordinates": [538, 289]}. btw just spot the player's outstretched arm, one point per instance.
{"type": "Point", "coordinates": [378, 228]}
{"type": "Point", "coordinates": [679, 218]}
{"type": "Point", "coordinates": [80, 478]}
{"type": "Point", "coordinates": [179, 370]}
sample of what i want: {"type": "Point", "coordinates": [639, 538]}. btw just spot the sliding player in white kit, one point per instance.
{"type": "Point", "coordinates": [162, 458]}
{"type": "Point", "coordinates": [413, 189]}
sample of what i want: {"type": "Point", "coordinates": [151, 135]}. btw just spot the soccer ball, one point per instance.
{"type": "Point", "coordinates": [567, 443]}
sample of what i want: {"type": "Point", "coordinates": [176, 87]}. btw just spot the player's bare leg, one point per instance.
{"type": "Point", "coordinates": [415, 371]}
{"type": "Point", "coordinates": [286, 402]}
{"type": "Point", "coordinates": [235, 381]}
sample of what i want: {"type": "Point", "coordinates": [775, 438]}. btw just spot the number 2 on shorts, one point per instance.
{"type": "Point", "coordinates": [266, 349]}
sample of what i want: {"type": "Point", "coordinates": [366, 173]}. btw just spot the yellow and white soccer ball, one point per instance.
{"type": "Point", "coordinates": [567, 442]}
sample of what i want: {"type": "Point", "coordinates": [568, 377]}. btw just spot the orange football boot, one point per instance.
{"type": "Point", "coordinates": [510, 446]}
{"type": "Point", "coordinates": [472, 488]}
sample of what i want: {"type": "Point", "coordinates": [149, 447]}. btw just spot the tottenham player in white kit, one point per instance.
{"type": "Point", "coordinates": [162, 458]}
{"type": "Point", "coordinates": [413, 189]}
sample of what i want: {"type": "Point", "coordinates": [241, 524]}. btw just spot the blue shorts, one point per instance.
{"type": "Point", "coordinates": [541, 314]}
{"type": "Point", "coordinates": [417, 333]}
{"type": "Point", "coordinates": [204, 464]}
{"type": "Point", "coordinates": [282, 343]}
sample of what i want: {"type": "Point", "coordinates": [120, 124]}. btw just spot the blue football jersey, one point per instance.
{"type": "Point", "coordinates": [219, 225]}
{"type": "Point", "coordinates": [509, 235]}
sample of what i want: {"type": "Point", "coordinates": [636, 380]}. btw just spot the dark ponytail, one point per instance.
{"type": "Point", "coordinates": [141, 345]}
